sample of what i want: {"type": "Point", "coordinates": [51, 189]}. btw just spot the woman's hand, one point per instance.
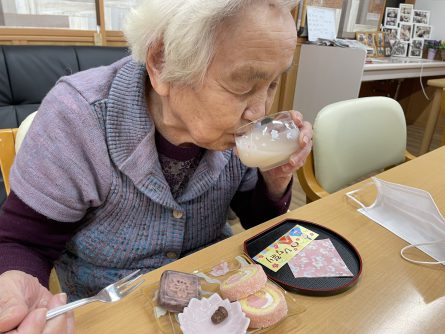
{"type": "Point", "coordinates": [277, 179]}
{"type": "Point", "coordinates": [24, 303]}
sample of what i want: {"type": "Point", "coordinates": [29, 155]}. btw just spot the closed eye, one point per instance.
{"type": "Point", "coordinates": [273, 85]}
{"type": "Point", "coordinates": [240, 93]}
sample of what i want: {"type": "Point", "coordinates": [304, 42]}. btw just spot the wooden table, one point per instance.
{"type": "Point", "coordinates": [392, 295]}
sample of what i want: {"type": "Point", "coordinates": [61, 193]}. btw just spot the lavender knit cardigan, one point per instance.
{"type": "Point", "coordinates": [90, 156]}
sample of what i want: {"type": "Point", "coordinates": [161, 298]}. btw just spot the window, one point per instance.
{"type": "Point", "coordinates": [360, 15]}
{"type": "Point", "coordinates": [67, 14]}
{"type": "Point", "coordinates": [115, 12]}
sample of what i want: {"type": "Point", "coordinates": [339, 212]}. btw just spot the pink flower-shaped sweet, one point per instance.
{"type": "Point", "coordinates": [220, 270]}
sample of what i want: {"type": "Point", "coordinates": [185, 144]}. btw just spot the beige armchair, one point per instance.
{"type": "Point", "coordinates": [352, 139]}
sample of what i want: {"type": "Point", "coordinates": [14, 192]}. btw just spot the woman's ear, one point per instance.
{"type": "Point", "coordinates": [154, 64]}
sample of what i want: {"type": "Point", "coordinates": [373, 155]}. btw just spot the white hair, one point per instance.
{"type": "Point", "coordinates": [187, 30]}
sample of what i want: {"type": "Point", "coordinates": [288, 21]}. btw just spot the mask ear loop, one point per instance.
{"type": "Point", "coordinates": [422, 244]}
{"type": "Point", "coordinates": [351, 196]}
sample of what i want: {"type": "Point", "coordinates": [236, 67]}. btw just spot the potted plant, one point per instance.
{"type": "Point", "coordinates": [431, 46]}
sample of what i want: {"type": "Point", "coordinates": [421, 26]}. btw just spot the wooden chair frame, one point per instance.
{"type": "Point", "coordinates": [7, 154]}
{"type": "Point", "coordinates": [442, 106]}
{"type": "Point", "coordinates": [309, 183]}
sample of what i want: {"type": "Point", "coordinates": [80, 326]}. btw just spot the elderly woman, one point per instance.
{"type": "Point", "coordinates": [132, 165]}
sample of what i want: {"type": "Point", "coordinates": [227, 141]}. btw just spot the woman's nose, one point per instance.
{"type": "Point", "coordinates": [255, 111]}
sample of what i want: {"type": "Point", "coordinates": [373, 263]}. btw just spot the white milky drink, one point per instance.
{"type": "Point", "coordinates": [269, 145]}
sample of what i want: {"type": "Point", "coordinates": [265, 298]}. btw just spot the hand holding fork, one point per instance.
{"type": "Point", "coordinates": [111, 293]}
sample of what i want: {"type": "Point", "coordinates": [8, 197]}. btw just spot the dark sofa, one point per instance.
{"type": "Point", "coordinates": [28, 72]}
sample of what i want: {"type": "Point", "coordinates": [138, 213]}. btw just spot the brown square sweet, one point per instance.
{"type": "Point", "coordinates": [176, 289]}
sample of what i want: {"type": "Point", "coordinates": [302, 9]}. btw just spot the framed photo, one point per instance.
{"type": "Point", "coordinates": [416, 48]}
{"type": "Point", "coordinates": [370, 40]}
{"type": "Point", "coordinates": [378, 38]}
{"type": "Point", "coordinates": [406, 12]}
{"type": "Point", "coordinates": [400, 49]}
{"type": "Point", "coordinates": [392, 33]}
{"type": "Point", "coordinates": [405, 32]}
{"type": "Point", "coordinates": [361, 37]}
{"type": "Point", "coordinates": [380, 51]}
{"type": "Point", "coordinates": [421, 16]}
{"type": "Point", "coordinates": [422, 31]}
{"type": "Point", "coordinates": [391, 17]}
{"type": "Point", "coordinates": [367, 38]}
{"type": "Point", "coordinates": [379, 41]}
{"type": "Point", "coordinates": [387, 44]}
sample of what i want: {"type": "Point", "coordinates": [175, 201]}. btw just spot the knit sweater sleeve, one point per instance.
{"type": "Point", "coordinates": [255, 206]}
{"type": "Point", "coordinates": [29, 241]}
{"type": "Point", "coordinates": [63, 167]}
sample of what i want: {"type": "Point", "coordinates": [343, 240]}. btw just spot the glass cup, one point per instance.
{"type": "Point", "coordinates": [267, 142]}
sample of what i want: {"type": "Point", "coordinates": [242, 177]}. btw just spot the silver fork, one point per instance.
{"type": "Point", "coordinates": [111, 293]}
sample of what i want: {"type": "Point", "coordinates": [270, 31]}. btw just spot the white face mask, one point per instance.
{"type": "Point", "coordinates": [411, 214]}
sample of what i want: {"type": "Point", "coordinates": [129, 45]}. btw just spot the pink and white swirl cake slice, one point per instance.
{"type": "Point", "coordinates": [265, 307]}
{"type": "Point", "coordinates": [246, 281]}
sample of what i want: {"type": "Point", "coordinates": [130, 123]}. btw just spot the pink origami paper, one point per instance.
{"type": "Point", "coordinates": [319, 259]}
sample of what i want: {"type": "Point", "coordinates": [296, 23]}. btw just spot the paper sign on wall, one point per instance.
{"type": "Point", "coordinates": [321, 23]}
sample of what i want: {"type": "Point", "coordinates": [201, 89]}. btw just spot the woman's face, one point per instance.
{"type": "Point", "coordinates": [253, 49]}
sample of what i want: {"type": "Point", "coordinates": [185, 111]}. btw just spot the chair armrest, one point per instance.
{"type": "Point", "coordinates": [409, 156]}
{"type": "Point", "coordinates": [7, 154]}
{"type": "Point", "coordinates": [443, 113]}
{"type": "Point", "coordinates": [309, 183]}
{"type": "Point", "coordinates": [442, 105]}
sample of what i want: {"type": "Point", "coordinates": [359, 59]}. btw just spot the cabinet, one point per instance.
{"type": "Point", "coordinates": [326, 75]}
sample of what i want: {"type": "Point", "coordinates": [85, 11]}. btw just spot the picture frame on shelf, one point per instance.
{"type": "Point", "coordinates": [370, 40]}
{"type": "Point", "coordinates": [361, 37]}
{"type": "Point", "coordinates": [416, 48]}
{"type": "Point", "coordinates": [370, 43]}
{"type": "Point", "coordinates": [421, 16]}
{"type": "Point", "coordinates": [406, 12]}
{"type": "Point", "coordinates": [379, 51]}
{"type": "Point", "coordinates": [378, 38]}
{"type": "Point", "coordinates": [405, 32]}
{"type": "Point", "coordinates": [379, 41]}
{"type": "Point", "coordinates": [422, 31]}
{"type": "Point", "coordinates": [391, 17]}
{"type": "Point", "coordinates": [392, 33]}
{"type": "Point", "coordinates": [367, 39]}
{"type": "Point", "coordinates": [400, 49]}
{"type": "Point", "coordinates": [387, 44]}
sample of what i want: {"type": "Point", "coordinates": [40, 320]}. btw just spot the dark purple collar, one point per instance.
{"type": "Point", "coordinates": [180, 153]}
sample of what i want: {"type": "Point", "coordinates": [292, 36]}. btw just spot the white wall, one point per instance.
{"type": "Point", "coordinates": [437, 18]}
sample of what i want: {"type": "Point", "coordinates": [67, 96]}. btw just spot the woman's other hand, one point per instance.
{"type": "Point", "coordinates": [277, 179]}
{"type": "Point", "coordinates": [24, 303]}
